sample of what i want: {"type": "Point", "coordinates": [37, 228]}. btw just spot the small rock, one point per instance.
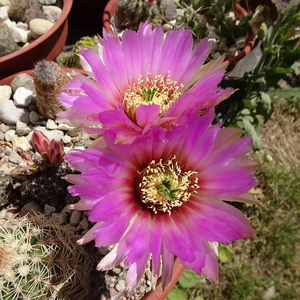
{"type": "Point", "coordinates": [20, 35]}
{"type": "Point", "coordinates": [75, 218]}
{"type": "Point", "coordinates": [23, 80]}
{"type": "Point", "coordinates": [9, 134]}
{"type": "Point", "coordinates": [4, 127]}
{"type": "Point", "coordinates": [38, 27]}
{"type": "Point", "coordinates": [34, 12]}
{"type": "Point", "coordinates": [67, 210]}
{"type": "Point", "coordinates": [83, 225]}
{"type": "Point", "coordinates": [34, 118]}
{"type": "Point", "coordinates": [49, 210]}
{"type": "Point", "coordinates": [47, 2]}
{"type": "Point", "coordinates": [22, 97]}
{"type": "Point", "coordinates": [51, 124]}
{"type": "Point", "coordinates": [30, 208]}
{"type": "Point", "coordinates": [103, 250]}
{"type": "Point", "coordinates": [62, 126]}
{"type": "Point", "coordinates": [20, 142]}
{"type": "Point", "coordinates": [3, 14]}
{"type": "Point", "coordinates": [22, 25]}
{"type": "Point", "coordinates": [59, 218]}
{"type": "Point", "coordinates": [52, 12]}
{"type": "Point", "coordinates": [5, 92]}
{"type": "Point", "coordinates": [15, 158]}
{"type": "Point", "coordinates": [269, 294]}
{"type": "Point", "coordinates": [22, 129]}
{"type": "Point", "coordinates": [120, 286]}
{"type": "Point", "coordinates": [66, 139]}
{"type": "Point", "coordinates": [51, 134]}
{"type": "Point", "coordinates": [10, 114]}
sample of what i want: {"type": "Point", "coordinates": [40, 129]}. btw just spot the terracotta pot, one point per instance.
{"type": "Point", "coordinates": [9, 79]}
{"type": "Point", "coordinates": [112, 7]}
{"type": "Point", "coordinates": [48, 46]}
{"type": "Point", "coordinates": [158, 293]}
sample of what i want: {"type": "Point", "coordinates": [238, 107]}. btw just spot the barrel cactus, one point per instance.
{"type": "Point", "coordinates": [40, 260]}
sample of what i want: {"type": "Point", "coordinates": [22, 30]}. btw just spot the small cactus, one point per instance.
{"type": "Point", "coordinates": [84, 42]}
{"type": "Point", "coordinates": [40, 260]}
{"type": "Point", "coordinates": [7, 42]}
{"type": "Point", "coordinates": [133, 12]}
{"type": "Point", "coordinates": [49, 79]}
{"type": "Point", "coordinates": [17, 9]}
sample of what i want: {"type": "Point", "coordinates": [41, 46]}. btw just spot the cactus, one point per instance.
{"type": "Point", "coordinates": [49, 79]}
{"type": "Point", "coordinates": [84, 42]}
{"type": "Point", "coordinates": [7, 42]}
{"type": "Point", "coordinates": [132, 12]}
{"type": "Point", "coordinates": [40, 260]}
{"type": "Point", "coordinates": [17, 9]}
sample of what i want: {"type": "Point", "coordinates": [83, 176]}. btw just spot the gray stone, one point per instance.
{"type": "Point", "coordinates": [9, 134]}
{"type": "Point", "coordinates": [5, 92]}
{"type": "Point", "coordinates": [50, 124]}
{"type": "Point", "coordinates": [10, 114]}
{"type": "Point", "coordinates": [4, 127]}
{"type": "Point", "coordinates": [51, 134]}
{"type": "Point", "coordinates": [34, 12]}
{"type": "Point", "coordinates": [15, 158]}
{"type": "Point", "coordinates": [76, 217]}
{"type": "Point", "coordinates": [120, 286]}
{"type": "Point", "coordinates": [34, 118]}
{"type": "Point", "coordinates": [23, 80]}
{"type": "Point", "coordinates": [22, 129]}
{"type": "Point", "coordinates": [66, 139]}
{"type": "Point", "coordinates": [52, 12]}
{"type": "Point", "coordinates": [49, 210]}
{"type": "Point", "coordinates": [83, 225]}
{"type": "Point", "coordinates": [59, 218]}
{"type": "Point", "coordinates": [38, 27]}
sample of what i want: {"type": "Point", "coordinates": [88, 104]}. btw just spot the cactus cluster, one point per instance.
{"type": "Point", "coordinates": [49, 79]}
{"type": "Point", "coordinates": [7, 42]}
{"type": "Point", "coordinates": [133, 12]}
{"type": "Point", "coordinates": [17, 9]}
{"type": "Point", "coordinates": [40, 260]}
{"type": "Point", "coordinates": [90, 42]}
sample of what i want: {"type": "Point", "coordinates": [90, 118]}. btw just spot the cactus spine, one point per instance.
{"type": "Point", "coordinates": [39, 260]}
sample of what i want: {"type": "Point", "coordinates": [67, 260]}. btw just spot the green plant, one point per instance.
{"type": "Point", "coordinates": [40, 260]}
{"type": "Point", "coordinates": [133, 12]}
{"type": "Point", "coordinates": [280, 49]}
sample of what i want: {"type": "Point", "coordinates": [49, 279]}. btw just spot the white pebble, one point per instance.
{"type": "Point", "coordinates": [66, 139]}
{"type": "Point", "coordinates": [52, 12]}
{"type": "Point", "coordinates": [22, 129]}
{"type": "Point", "coordinates": [22, 97]}
{"type": "Point", "coordinates": [20, 142]}
{"type": "Point", "coordinates": [9, 135]}
{"type": "Point", "coordinates": [38, 27]}
{"type": "Point", "coordinates": [51, 124]}
{"type": "Point", "coordinates": [20, 35]}
{"type": "Point", "coordinates": [3, 13]}
{"type": "Point", "coordinates": [5, 92]}
{"type": "Point", "coordinates": [10, 114]}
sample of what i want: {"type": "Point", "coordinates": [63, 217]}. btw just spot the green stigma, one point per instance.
{"type": "Point", "coordinates": [166, 190]}
{"type": "Point", "coordinates": [149, 93]}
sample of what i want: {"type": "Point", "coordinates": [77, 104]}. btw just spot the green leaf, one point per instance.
{"type": "Point", "coordinates": [250, 130]}
{"type": "Point", "coordinates": [223, 254]}
{"type": "Point", "coordinates": [177, 294]}
{"type": "Point", "coordinates": [264, 107]}
{"type": "Point", "coordinates": [289, 94]}
{"type": "Point", "coordinates": [199, 298]}
{"type": "Point", "coordinates": [189, 279]}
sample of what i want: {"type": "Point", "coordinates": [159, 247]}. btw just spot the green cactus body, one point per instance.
{"type": "Point", "coordinates": [39, 260]}
{"type": "Point", "coordinates": [85, 42]}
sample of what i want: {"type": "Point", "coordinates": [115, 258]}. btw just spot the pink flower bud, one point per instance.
{"type": "Point", "coordinates": [56, 152]}
{"type": "Point", "coordinates": [40, 143]}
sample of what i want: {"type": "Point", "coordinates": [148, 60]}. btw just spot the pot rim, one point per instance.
{"type": "Point", "coordinates": [67, 5]}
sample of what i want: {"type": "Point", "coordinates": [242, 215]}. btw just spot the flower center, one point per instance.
{"type": "Point", "coordinates": [161, 91]}
{"type": "Point", "coordinates": [164, 185]}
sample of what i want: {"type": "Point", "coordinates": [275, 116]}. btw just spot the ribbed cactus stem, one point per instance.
{"type": "Point", "coordinates": [49, 79]}
{"type": "Point", "coordinates": [39, 260]}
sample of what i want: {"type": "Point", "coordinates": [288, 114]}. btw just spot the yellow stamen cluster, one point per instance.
{"type": "Point", "coordinates": [164, 185]}
{"type": "Point", "coordinates": [160, 90]}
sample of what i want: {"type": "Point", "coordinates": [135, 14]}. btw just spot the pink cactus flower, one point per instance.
{"type": "Point", "coordinates": [51, 151]}
{"type": "Point", "coordinates": [162, 196]}
{"type": "Point", "coordinates": [146, 80]}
